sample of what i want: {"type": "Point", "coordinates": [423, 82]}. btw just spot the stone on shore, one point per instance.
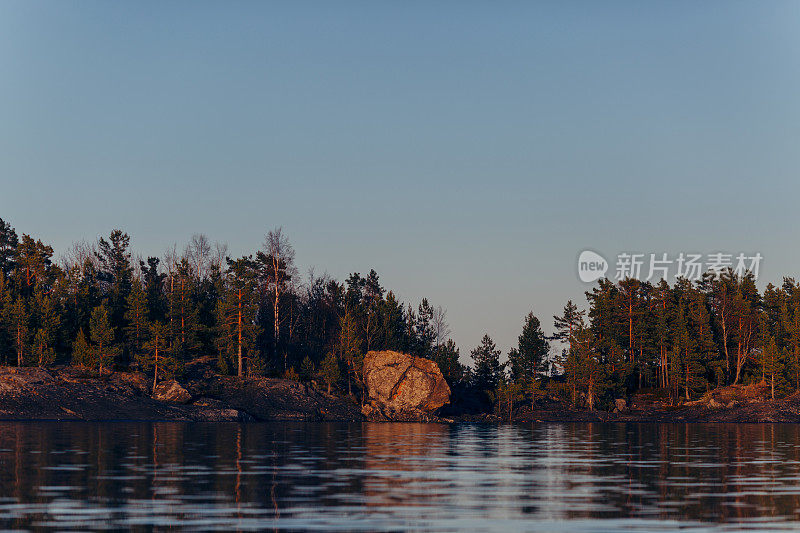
{"type": "Point", "coordinates": [403, 387]}
{"type": "Point", "coordinates": [621, 405]}
{"type": "Point", "coordinates": [171, 391]}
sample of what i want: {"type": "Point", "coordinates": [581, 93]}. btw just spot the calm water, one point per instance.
{"type": "Point", "coordinates": [543, 477]}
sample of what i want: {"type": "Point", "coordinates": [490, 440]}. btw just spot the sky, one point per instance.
{"type": "Point", "coordinates": [467, 151]}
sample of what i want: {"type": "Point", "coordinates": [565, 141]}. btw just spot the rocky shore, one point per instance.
{"type": "Point", "coordinates": [406, 391]}
{"type": "Point", "coordinates": [731, 404]}
{"type": "Point", "coordinates": [68, 393]}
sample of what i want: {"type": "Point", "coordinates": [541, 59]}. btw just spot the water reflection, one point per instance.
{"type": "Point", "coordinates": [568, 477]}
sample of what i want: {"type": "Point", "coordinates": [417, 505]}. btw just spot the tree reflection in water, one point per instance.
{"type": "Point", "coordinates": [398, 476]}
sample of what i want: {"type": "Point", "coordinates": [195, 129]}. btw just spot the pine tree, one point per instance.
{"type": "Point", "coordinates": [329, 370]}
{"type": "Point", "coordinates": [392, 324]}
{"type": "Point", "coordinates": [446, 358]}
{"type": "Point", "coordinates": [16, 319]}
{"type": "Point", "coordinates": [662, 314]}
{"type": "Point", "coordinates": [5, 297]}
{"type": "Point", "coordinates": [572, 367]}
{"type": "Point", "coordinates": [372, 299]}
{"type": "Point", "coordinates": [116, 272]}
{"type": "Point", "coordinates": [84, 289]}
{"type": "Point", "coordinates": [687, 370]}
{"type": "Point", "coordinates": [81, 351]}
{"type": "Point", "coordinates": [43, 350]}
{"type": "Point", "coordinates": [8, 248]}
{"type": "Point", "coordinates": [137, 325]}
{"type": "Point", "coordinates": [101, 332]}
{"type": "Point", "coordinates": [746, 309]}
{"type": "Point", "coordinates": [409, 344]}
{"type": "Point", "coordinates": [720, 292]}
{"type": "Point", "coordinates": [153, 286]}
{"type": "Point", "coordinates": [589, 374]}
{"type": "Point", "coordinates": [48, 322]}
{"type": "Point", "coordinates": [350, 348]}
{"type": "Point", "coordinates": [699, 318]}
{"type": "Point", "coordinates": [488, 371]}
{"type": "Point", "coordinates": [423, 329]}
{"type": "Point", "coordinates": [183, 314]}
{"type": "Point", "coordinates": [527, 361]}
{"type": "Point", "coordinates": [569, 321]}
{"type": "Point", "coordinates": [790, 317]}
{"type": "Point", "coordinates": [237, 329]}
{"type": "Point", "coordinates": [156, 355]}
{"type": "Point", "coordinates": [33, 266]}
{"type": "Point", "coordinates": [306, 369]}
{"type": "Point", "coordinates": [505, 395]}
{"type": "Point", "coordinates": [629, 298]}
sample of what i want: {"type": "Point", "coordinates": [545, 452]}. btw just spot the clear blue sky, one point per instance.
{"type": "Point", "coordinates": [467, 151]}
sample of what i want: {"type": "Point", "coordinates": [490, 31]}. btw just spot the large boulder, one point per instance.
{"type": "Point", "coordinates": [403, 387]}
{"type": "Point", "coordinates": [171, 391]}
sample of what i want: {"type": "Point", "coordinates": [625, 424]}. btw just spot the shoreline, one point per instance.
{"type": "Point", "coordinates": [69, 394]}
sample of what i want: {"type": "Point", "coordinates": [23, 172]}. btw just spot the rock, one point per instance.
{"type": "Point", "coordinates": [714, 404]}
{"type": "Point", "coordinates": [481, 418]}
{"type": "Point", "coordinates": [223, 415]}
{"type": "Point", "coordinates": [373, 412]}
{"type": "Point", "coordinates": [171, 391]}
{"type": "Point", "coordinates": [621, 405]}
{"type": "Point", "coordinates": [28, 377]}
{"type": "Point", "coordinates": [402, 386]}
{"type": "Point", "coordinates": [29, 393]}
{"type": "Point", "coordinates": [209, 402]}
{"type": "Point", "coordinates": [279, 399]}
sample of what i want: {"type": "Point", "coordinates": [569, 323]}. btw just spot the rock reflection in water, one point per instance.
{"type": "Point", "coordinates": [398, 476]}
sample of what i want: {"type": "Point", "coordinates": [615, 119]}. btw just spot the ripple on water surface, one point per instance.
{"type": "Point", "coordinates": [393, 477]}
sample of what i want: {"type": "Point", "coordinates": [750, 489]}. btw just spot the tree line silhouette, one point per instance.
{"type": "Point", "coordinates": [100, 308]}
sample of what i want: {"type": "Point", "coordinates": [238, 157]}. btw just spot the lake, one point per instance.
{"type": "Point", "coordinates": [395, 477]}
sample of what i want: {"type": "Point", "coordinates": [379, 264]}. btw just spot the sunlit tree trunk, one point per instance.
{"type": "Point", "coordinates": [240, 371]}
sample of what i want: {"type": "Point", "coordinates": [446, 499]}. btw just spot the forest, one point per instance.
{"type": "Point", "coordinates": [100, 307]}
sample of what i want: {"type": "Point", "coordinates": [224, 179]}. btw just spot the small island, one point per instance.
{"type": "Point", "coordinates": [198, 335]}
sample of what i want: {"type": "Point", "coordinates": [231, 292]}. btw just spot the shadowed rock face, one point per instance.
{"type": "Point", "coordinates": [171, 391]}
{"type": "Point", "coordinates": [72, 393]}
{"type": "Point", "coordinates": [400, 385]}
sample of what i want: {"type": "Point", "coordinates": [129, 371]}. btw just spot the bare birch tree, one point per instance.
{"type": "Point", "coordinates": [277, 259]}
{"type": "Point", "coordinates": [198, 253]}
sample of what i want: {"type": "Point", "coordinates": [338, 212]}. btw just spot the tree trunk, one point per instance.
{"type": "Point", "coordinates": [155, 371]}
{"type": "Point", "coordinates": [686, 381]}
{"type": "Point", "coordinates": [630, 327]}
{"type": "Point", "coordinates": [797, 367]}
{"type": "Point", "coordinates": [725, 344]}
{"type": "Point", "coordinates": [19, 346]}
{"type": "Point", "coordinates": [239, 331]}
{"type": "Point", "coordinates": [183, 314]}
{"type": "Point", "coordinates": [773, 386]}
{"type": "Point", "coordinates": [276, 314]}
{"type": "Point", "coordinates": [739, 356]}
